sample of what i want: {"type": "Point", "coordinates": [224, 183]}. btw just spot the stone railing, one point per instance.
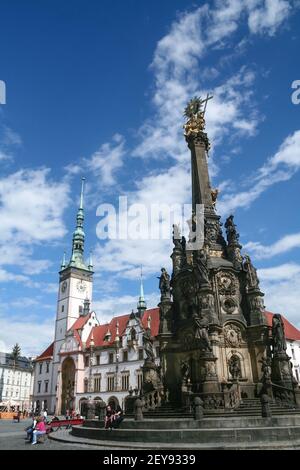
{"type": "Point", "coordinates": [154, 399]}
{"type": "Point", "coordinates": [229, 398]}
{"type": "Point", "coordinates": [285, 396]}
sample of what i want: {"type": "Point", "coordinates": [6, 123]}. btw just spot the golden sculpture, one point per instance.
{"type": "Point", "coordinates": [214, 196]}
{"type": "Point", "coordinates": [195, 115]}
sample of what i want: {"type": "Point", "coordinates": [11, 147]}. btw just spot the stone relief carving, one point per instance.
{"type": "Point", "coordinates": [232, 335]}
{"type": "Point", "coordinates": [227, 283]}
{"type": "Point", "coordinates": [229, 305]}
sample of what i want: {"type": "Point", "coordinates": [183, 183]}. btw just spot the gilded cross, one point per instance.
{"type": "Point", "coordinates": [205, 101]}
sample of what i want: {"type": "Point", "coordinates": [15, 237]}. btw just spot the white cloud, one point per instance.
{"type": "Point", "coordinates": [4, 156]}
{"type": "Point", "coordinates": [32, 207]}
{"type": "Point", "coordinates": [267, 16]}
{"type": "Point", "coordinates": [107, 160]}
{"type": "Point", "coordinates": [281, 285]}
{"type": "Point", "coordinates": [284, 272]}
{"type": "Point", "coordinates": [6, 276]}
{"type": "Point", "coordinates": [285, 244]}
{"type": "Point", "coordinates": [278, 168]}
{"type": "Point", "coordinates": [111, 306]}
{"type": "Point", "coordinates": [32, 336]}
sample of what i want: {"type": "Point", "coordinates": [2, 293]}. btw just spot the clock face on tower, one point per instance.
{"type": "Point", "coordinates": [64, 286]}
{"type": "Point", "coordinates": [81, 286]}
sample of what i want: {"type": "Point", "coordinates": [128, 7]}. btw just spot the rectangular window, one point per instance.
{"type": "Point", "coordinates": [125, 380]}
{"type": "Point", "coordinates": [293, 354]}
{"type": "Point", "coordinates": [98, 360]}
{"type": "Point", "coordinates": [47, 367]}
{"type": "Point", "coordinates": [97, 383]}
{"type": "Point", "coordinates": [39, 387]}
{"type": "Point", "coordinates": [62, 308]}
{"type": "Point", "coordinates": [125, 356]}
{"type": "Point", "coordinates": [110, 383]}
{"type": "Point", "coordinates": [111, 358]}
{"type": "Point", "coordinates": [141, 354]}
{"type": "Point", "coordinates": [41, 367]}
{"type": "Point", "coordinates": [87, 360]}
{"type": "Point", "coordinates": [157, 351]}
{"type": "Point", "coordinates": [85, 385]}
{"type": "Point", "coordinates": [46, 386]}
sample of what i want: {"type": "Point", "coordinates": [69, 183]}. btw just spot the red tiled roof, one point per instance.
{"type": "Point", "coordinates": [47, 354]}
{"type": "Point", "coordinates": [154, 315]}
{"type": "Point", "coordinates": [80, 322]}
{"type": "Point", "coordinates": [100, 331]}
{"type": "Point", "coordinates": [291, 331]}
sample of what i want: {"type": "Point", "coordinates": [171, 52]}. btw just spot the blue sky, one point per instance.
{"type": "Point", "coordinates": [97, 89]}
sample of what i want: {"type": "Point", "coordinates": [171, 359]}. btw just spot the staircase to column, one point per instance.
{"type": "Point", "coordinates": [168, 427]}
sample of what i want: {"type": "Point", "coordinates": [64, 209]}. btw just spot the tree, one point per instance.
{"type": "Point", "coordinates": [16, 353]}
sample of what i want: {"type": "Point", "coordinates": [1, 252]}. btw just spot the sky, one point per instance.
{"type": "Point", "coordinates": [97, 90]}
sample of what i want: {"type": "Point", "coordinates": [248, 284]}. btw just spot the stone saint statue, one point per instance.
{"type": "Point", "coordinates": [148, 345]}
{"type": "Point", "coordinates": [232, 234]}
{"type": "Point", "coordinates": [234, 367]}
{"type": "Point", "coordinates": [278, 336]}
{"type": "Point", "coordinates": [201, 264]}
{"type": "Point", "coordinates": [266, 369]}
{"type": "Point", "coordinates": [164, 283]}
{"type": "Point", "coordinates": [251, 274]}
{"type": "Point", "coordinates": [201, 332]}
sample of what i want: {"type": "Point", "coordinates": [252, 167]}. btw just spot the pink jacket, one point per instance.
{"type": "Point", "coordinates": [40, 426]}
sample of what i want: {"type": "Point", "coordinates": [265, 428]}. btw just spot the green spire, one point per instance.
{"type": "Point", "coordinates": [77, 257]}
{"type": "Point", "coordinates": [141, 306]}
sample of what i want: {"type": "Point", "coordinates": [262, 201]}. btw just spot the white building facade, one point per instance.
{"type": "Point", "coordinates": [16, 382]}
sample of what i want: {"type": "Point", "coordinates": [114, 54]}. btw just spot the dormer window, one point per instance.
{"type": "Point", "coordinates": [107, 337]}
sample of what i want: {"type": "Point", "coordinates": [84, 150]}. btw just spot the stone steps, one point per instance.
{"type": "Point", "coordinates": [217, 435]}
{"type": "Point", "coordinates": [67, 437]}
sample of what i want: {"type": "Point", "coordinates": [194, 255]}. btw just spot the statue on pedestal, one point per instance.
{"type": "Point", "coordinates": [164, 284]}
{"type": "Point", "coordinates": [148, 345]}
{"type": "Point", "coordinates": [201, 332]}
{"type": "Point", "coordinates": [232, 234]}
{"type": "Point", "coordinates": [234, 366]}
{"type": "Point", "coordinates": [251, 274]}
{"type": "Point", "coordinates": [278, 336]}
{"type": "Point", "coordinates": [201, 266]}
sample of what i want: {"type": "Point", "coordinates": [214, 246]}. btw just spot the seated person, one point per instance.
{"type": "Point", "coordinates": [108, 417]}
{"type": "Point", "coordinates": [39, 430]}
{"type": "Point", "coordinates": [118, 417]}
{"type": "Point", "coordinates": [30, 429]}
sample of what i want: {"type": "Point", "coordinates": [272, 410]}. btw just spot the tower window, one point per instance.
{"type": "Point", "coordinates": [87, 359]}
{"type": "Point", "coordinates": [62, 308]}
